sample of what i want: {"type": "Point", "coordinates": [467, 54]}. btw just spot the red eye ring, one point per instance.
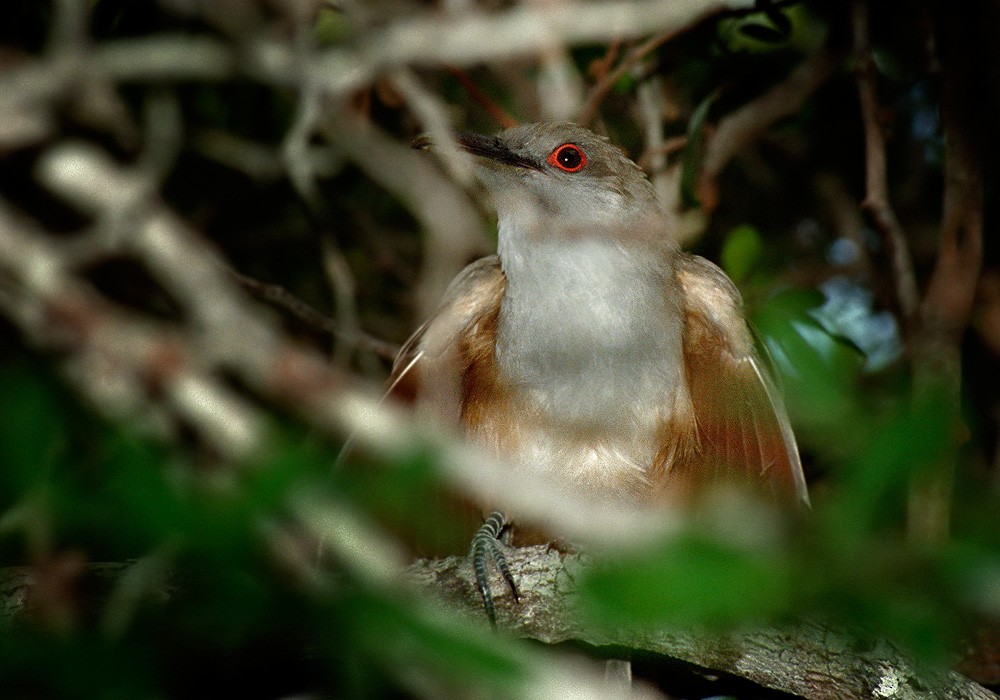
{"type": "Point", "coordinates": [568, 157]}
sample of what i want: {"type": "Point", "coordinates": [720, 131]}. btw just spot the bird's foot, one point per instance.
{"type": "Point", "coordinates": [486, 545]}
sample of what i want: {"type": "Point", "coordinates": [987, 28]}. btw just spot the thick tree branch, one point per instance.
{"type": "Point", "coordinates": [806, 659]}
{"type": "Point", "coordinates": [946, 309]}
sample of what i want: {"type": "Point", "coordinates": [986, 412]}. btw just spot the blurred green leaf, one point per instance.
{"type": "Point", "coordinates": [331, 26]}
{"type": "Point", "coordinates": [820, 371]}
{"type": "Point", "coordinates": [33, 430]}
{"type": "Point", "coordinates": [772, 29]}
{"type": "Point", "coordinates": [687, 581]}
{"type": "Point", "coordinates": [764, 32]}
{"type": "Point", "coordinates": [83, 666]}
{"type": "Point", "coordinates": [692, 151]}
{"type": "Point", "coordinates": [402, 637]}
{"type": "Point", "coordinates": [874, 483]}
{"type": "Point", "coordinates": [740, 252]}
{"type": "Point", "coordinates": [407, 497]}
{"type": "Point", "coordinates": [625, 84]}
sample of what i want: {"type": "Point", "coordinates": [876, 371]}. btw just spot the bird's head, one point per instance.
{"type": "Point", "coordinates": [560, 170]}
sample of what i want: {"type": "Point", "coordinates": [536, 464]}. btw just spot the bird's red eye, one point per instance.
{"type": "Point", "coordinates": [568, 157]}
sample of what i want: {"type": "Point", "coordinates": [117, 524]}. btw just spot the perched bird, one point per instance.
{"type": "Point", "coordinates": [590, 346]}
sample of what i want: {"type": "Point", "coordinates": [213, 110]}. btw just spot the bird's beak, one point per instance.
{"type": "Point", "coordinates": [489, 147]}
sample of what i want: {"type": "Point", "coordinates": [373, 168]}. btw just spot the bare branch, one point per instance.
{"type": "Point", "coordinates": [877, 202]}
{"type": "Point", "coordinates": [276, 294]}
{"type": "Point", "coordinates": [452, 225]}
{"type": "Point", "coordinates": [742, 126]}
{"type": "Point", "coordinates": [608, 79]}
{"type": "Point", "coordinates": [458, 40]}
{"type": "Point", "coordinates": [433, 117]}
{"type": "Point", "coordinates": [528, 29]}
{"type": "Point", "coordinates": [503, 119]}
{"type": "Point", "coordinates": [560, 86]}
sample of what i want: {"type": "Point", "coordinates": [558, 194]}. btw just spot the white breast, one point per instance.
{"type": "Point", "coordinates": [592, 332]}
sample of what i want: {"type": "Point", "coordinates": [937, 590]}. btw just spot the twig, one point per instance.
{"type": "Point", "coordinates": [454, 230]}
{"type": "Point", "coordinates": [650, 108]}
{"type": "Point", "coordinates": [181, 368]}
{"type": "Point", "coordinates": [668, 147]}
{"type": "Point", "coordinates": [876, 201]}
{"type": "Point", "coordinates": [295, 146]}
{"type": "Point", "coordinates": [344, 291]}
{"type": "Point", "coordinates": [559, 84]}
{"type": "Point", "coordinates": [524, 29]}
{"type": "Point", "coordinates": [600, 91]}
{"type": "Point", "coordinates": [278, 295]}
{"type": "Point", "coordinates": [115, 360]}
{"type": "Point", "coordinates": [504, 120]}
{"type": "Point", "coordinates": [599, 67]}
{"type": "Point", "coordinates": [432, 114]}
{"type": "Point", "coordinates": [460, 40]}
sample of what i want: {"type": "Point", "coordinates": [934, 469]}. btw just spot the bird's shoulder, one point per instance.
{"type": "Point", "coordinates": [712, 306]}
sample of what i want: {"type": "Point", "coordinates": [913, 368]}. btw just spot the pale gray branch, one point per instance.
{"type": "Point", "coordinates": [806, 659]}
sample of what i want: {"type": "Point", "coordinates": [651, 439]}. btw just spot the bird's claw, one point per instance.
{"type": "Point", "coordinates": [486, 544]}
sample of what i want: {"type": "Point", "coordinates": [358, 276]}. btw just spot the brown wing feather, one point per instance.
{"type": "Point", "coordinates": [429, 373]}
{"type": "Point", "coordinates": [429, 369]}
{"type": "Point", "coordinates": [743, 430]}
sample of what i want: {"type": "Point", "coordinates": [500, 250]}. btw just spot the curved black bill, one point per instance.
{"type": "Point", "coordinates": [489, 147]}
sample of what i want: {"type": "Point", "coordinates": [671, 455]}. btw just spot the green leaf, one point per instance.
{"type": "Point", "coordinates": [740, 252]}
{"type": "Point", "coordinates": [404, 637]}
{"type": "Point", "coordinates": [875, 481]}
{"type": "Point", "coordinates": [692, 151]}
{"type": "Point", "coordinates": [625, 84]}
{"type": "Point", "coordinates": [687, 581]}
{"type": "Point", "coordinates": [820, 371]}
{"type": "Point", "coordinates": [331, 26]}
{"type": "Point", "coordinates": [33, 429]}
{"type": "Point", "coordinates": [764, 32]}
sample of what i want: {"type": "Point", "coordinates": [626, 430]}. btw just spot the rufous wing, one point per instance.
{"type": "Point", "coordinates": [743, 430]}
{"type": "Point", "coordinates": [430, 368]}
{"type": "Point", "coordinates": [429, 373]}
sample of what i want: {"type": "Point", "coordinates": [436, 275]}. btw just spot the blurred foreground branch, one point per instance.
{"type": "Point", "coordinates": [806, 659]}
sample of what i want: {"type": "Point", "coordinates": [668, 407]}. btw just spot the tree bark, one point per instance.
{"type": "Point", "coordinates": [807, 659]}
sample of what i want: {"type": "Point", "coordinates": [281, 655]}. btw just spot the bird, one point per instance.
{"type": "Point", "coordinates": [590, 347]}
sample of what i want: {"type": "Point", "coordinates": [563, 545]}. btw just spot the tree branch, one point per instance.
{"type": "Point", "coordinates": [279, 296]}
{"type": "Point", "coordinates": [603, 86]}
{"type": "Point", "coordinates": [740, 127]}
{"type": "Point", "coordinates": [876, 201]}
{"type": "Point", "coordinates": [946, 309]}
{"type": "Point", "coordinates": [806, 659]}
